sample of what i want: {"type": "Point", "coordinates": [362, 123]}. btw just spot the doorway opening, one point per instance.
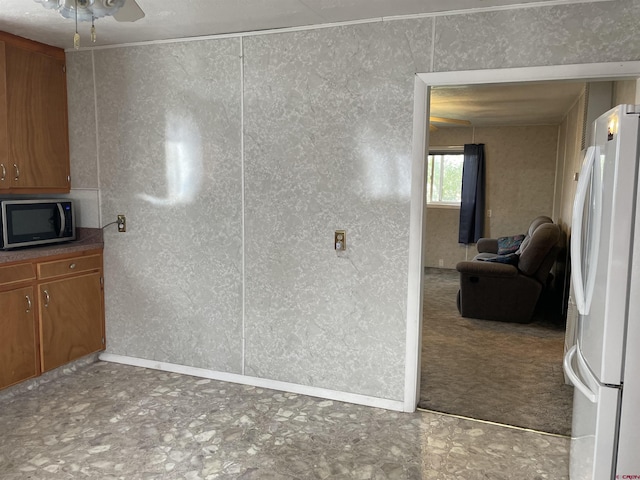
{"type": "Point", "coordinates": [421, 215]}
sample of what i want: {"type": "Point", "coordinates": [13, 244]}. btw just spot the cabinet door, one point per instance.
{"type": "Point", "coordinates": [5, 177]}
{"type": "Point", "coordinates": [37, 120]}
{"type": "Point", "coordinates": [18, 360]}
{"type": "Point", "coordinates": [71, 319]}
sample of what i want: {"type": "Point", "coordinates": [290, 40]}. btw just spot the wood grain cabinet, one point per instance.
{"type": "Point", "coordinates": [51, 313]}
{"type": "Point", "coordinates": [18, 340]}
{"type": "Point", "coordinates": [34, 132]}
{"type": "Point", "coordinates": [71, 310]}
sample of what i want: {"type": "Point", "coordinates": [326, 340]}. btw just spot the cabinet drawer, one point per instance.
{"type": "Point", "coordinates": [69, 266]}
{"type": "Point", "coordinates": [11, 274]}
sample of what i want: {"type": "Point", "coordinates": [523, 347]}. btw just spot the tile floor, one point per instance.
{"type": "Point", "coordinates": [110, 421]}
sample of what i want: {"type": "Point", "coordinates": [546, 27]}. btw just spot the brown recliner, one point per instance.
{"type": "Point", "coordinates": [509, 292]}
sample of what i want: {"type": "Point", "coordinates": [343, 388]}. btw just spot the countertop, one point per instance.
{"type": "Point", "coordinates": [87, 239]}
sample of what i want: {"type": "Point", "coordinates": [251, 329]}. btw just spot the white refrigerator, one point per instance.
{"type": "Point", "coordinates": [604, 365]}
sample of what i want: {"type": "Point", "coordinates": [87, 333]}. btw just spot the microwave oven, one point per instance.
{"type": "Point", "coordinates": [27, 223]}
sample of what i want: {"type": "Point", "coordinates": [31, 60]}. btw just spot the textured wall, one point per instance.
{"type": "Point", "coordinates": [572, 125]}
{"type": "Point", "coordinates": [624, 91]}
{"type": "Point", "coordinates": [327, 138]}
{"type": "Point", "coordinates": [328, 118]}
{"type": "Point", "coordinates": [521, 165]}
{"type": "Point", "coordinates": [83, 151]}
{"type": "Point", "coordinates": [441, 240]}
{"type": "Point", "coordinates": [169, 144]}
{"type": "Point", "coordinates": [564, 34]}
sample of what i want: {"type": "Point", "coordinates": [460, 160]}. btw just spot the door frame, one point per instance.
{"type": "Point", "coordinates": [420, 150]}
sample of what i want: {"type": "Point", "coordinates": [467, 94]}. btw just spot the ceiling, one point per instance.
{"type": "Point", "coordinates": [544, 103]}
{"type": "Point", "coordinates": [171, 19]}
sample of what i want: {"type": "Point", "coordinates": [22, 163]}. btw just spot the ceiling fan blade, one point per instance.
{"type": "Point", "coordinates": [129, 12]}
{"type": "Point", "coordinates": [449, 120]}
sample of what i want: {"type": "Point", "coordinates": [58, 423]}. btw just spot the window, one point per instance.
{"type": "Point", "coordinates": [444, 177]}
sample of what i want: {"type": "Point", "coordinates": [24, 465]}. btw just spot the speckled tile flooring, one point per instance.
{"type": "Point", "coordinates": [111, 421]}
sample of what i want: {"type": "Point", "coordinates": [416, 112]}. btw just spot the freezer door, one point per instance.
{"type": "Point", "coordinates": [594, 430]}
{"type": "Point", "coordinates": [601, 242]}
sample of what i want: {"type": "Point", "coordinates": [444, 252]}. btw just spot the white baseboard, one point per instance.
{"type": "Point", "coordinates": [257, 382]}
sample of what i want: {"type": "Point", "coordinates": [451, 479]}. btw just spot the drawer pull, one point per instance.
{"type": "Point", "coordinates": [72, 266]}
{"type": "Point", "coordinates": [28, 303]}
{"type": "Point", "coordinates": [4, 172]}
{"type": "Point", "coordinates": [46, 298]}
{"type": "Point", "coordinates": [17, 172]}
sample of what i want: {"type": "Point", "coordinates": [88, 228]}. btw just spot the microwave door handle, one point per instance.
{"type": "Point", "coordinates": [62, 219]}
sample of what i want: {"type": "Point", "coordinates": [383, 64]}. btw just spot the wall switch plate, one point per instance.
{"type": "Point", "coordinates": [340, 240]}
{"type": "Point", "coordinates": [122, 223]}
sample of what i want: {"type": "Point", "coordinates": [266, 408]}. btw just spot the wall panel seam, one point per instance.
{"type": "Point", "coordinates": [433, 44]}
{"type": "Point", "coordinates": [95, 110]}
{"type": "Point", "coordinates": [242, 180]}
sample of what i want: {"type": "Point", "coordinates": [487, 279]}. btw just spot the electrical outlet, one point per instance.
{"type": "Point", "coordinates": [441, 262]}
{"type": "Point", "coordinates": [122, 223]}
{"type": "Point", "coordinates": [340, 240]}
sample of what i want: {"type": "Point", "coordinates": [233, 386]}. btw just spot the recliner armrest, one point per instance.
{"type": "Point", "coordinates": [487, 269]}
{"type": "Point", "coordinates": [487, 245]}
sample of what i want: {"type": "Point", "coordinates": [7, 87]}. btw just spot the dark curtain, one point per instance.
{"type": "Point", "coordinates": [472, 204]}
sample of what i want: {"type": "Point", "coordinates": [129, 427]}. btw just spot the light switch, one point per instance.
{"type": "Point", "coordinates": [340, 240]}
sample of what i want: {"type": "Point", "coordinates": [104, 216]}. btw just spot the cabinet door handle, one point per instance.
{"type": "Point", "coordinates": [46, 298]}
{"type": "Point", "coordinates": [17, 171]}
{"type": "Point", "coordinates": [4, 172]}
{"type": "Point", "coordinates": [28, 303]}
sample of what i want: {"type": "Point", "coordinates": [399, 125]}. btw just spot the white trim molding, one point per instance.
{"type": "Point", "coordinates": [417, 223]}
{"type": "Point", "coordinates": [585, 72]}
{"type": "Point", "coordinates": [423, 83]}
{"type": "Point", "coordinates": [255, 382]}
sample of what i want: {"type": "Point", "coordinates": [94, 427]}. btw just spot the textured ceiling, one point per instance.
{"type": "Point", "coordinates": [543, 103]}
{"type": "Point", "coordinates": [170, 19]}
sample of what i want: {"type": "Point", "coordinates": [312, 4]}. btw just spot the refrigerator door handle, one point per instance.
{"type": "Point", "coordinates": [582, 302]}
{"type": "Point", "coordinates": [573, 377]}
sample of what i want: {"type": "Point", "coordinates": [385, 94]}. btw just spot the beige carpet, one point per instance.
{"type": "Point", "coordinates": [502, 372]}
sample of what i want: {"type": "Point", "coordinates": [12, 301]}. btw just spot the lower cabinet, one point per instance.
{"type": "Point", "coordinates": [70, 319]}
{"type": "Point", "coordinates": [62, 322]}
{"type": "Point", "coordinates": [18, 354]}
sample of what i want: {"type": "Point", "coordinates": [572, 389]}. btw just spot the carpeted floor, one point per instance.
{"type": "Point", "coordinates": [502, 372]}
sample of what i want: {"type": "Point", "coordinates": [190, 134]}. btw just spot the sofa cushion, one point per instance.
{"type": "Point", "coordinates": [543, 240]}
{"type": "Point", "coordinates": [507, 245]}
{"type": "Point", "coordinates": [485, 256]}
{"type": "Point", "coordinates": [536, 222]}
{"type": "Point", "coordinates": [510, 259]}
{"type": "Point", "coordinates": [532, 228]}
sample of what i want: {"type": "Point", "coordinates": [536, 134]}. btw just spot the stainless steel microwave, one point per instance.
{"type": "Point", "coordinates": [27, 223]}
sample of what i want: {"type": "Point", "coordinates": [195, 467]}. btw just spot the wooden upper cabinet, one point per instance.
{"type": "Point", "coordinates": [5, 172]}
{"type": "Point", "coordinates": [34, 132]}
